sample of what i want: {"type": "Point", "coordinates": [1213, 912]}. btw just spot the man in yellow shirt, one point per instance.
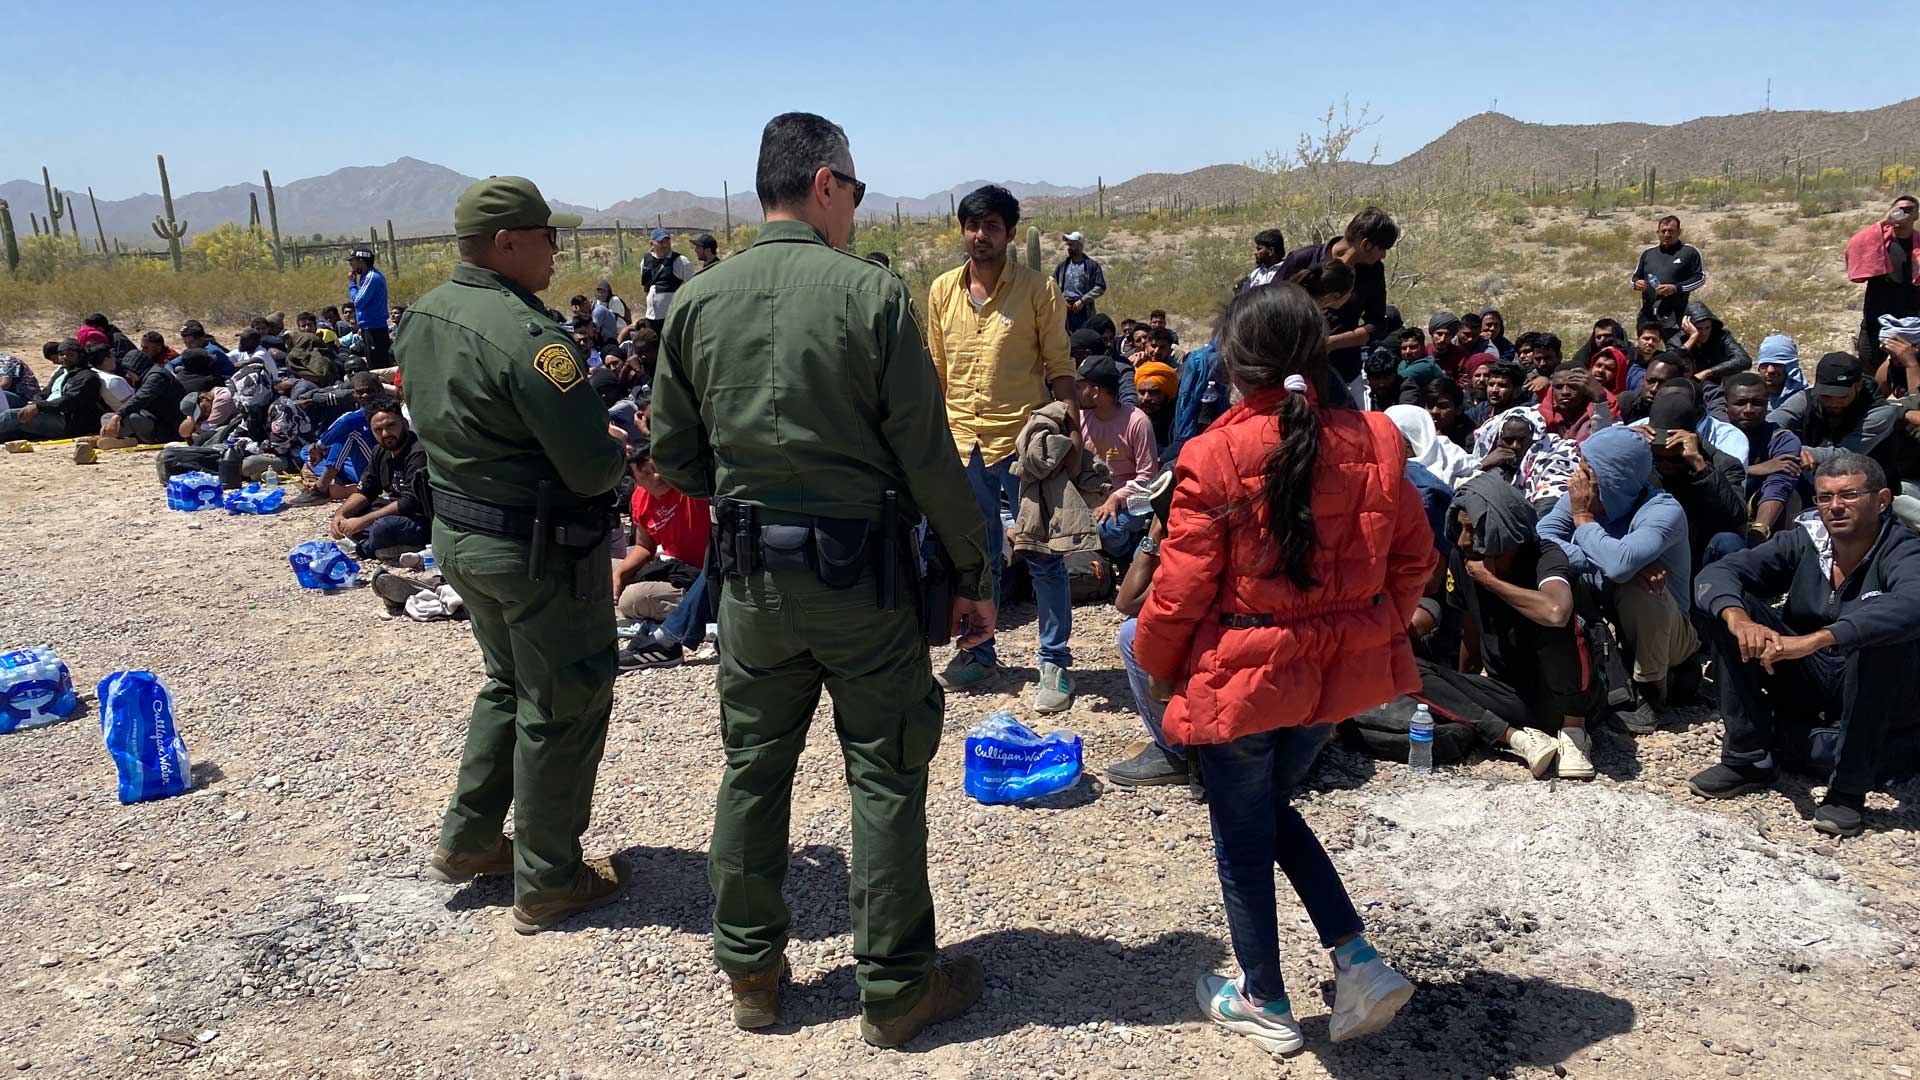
{"type": "Point", "coordinates": [997, 333]}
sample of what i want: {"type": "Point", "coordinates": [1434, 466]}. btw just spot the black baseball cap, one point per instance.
{"type": "Point", "coordinates": [1102, 371]}
{"type": "Point", "coordinates": [1675, 408]}
{"type": "Point", "coordinates": [1091, 340]}
{"type": "Point", "coordinates": [1837, 375]}
{"type": "Point", "coordinates": [193, 327]}
{"type": "Point", "coordinates": [361, 252]}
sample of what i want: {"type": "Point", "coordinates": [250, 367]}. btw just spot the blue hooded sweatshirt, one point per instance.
{"type": "Point", "coordinates": [1639, 524]}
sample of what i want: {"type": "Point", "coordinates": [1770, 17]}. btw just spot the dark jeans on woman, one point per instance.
{"type": "Point", "coordinates": [1864, 693]}
{"type": "Point", "coordinates": [1250, 784]}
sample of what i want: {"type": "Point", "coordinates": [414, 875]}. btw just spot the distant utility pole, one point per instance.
{"type": "Point", "coordinates": [1769, 107]}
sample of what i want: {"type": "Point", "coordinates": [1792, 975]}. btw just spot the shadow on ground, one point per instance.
{"type": "Point", "coordinates": [668, 887]}
{"type": "Point", "coordinates": [1486, 1023]}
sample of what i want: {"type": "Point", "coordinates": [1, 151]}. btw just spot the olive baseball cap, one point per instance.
{"type": "Point", "coordinates": [505, 202]}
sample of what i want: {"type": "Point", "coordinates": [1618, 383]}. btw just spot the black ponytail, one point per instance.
{"type": "Point", "coordinates": [1287, 490]}
{"type": "Point", "coordinates": [1266, 338]}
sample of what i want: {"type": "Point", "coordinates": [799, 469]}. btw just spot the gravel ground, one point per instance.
{"type": "Point", "coordinates": [275, 921]}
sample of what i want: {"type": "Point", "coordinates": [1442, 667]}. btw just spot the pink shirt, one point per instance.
{"type": "Point", "coordinates": [1125, 443]}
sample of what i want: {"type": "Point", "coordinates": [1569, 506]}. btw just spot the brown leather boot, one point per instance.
{"type": "Point", "coordinates": [455, 867]}
{"type": "Point", "coordinates": [953, 986]}
{"type": "Point", "coordinates": [597, 885]}
{"type": "Point", "coordinates": [756, 997]}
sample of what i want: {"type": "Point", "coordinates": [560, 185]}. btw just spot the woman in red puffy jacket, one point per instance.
{"type": "Point", "coordinates": [1296, 553]}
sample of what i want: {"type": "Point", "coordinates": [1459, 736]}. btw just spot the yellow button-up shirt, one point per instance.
{"type": "Point", "coordinates": [995, 362]}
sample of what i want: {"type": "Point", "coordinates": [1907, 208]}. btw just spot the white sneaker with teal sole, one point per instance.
{"type": "Point", "coordinates": [1271, 1025]}
{"type": "Point", "coordinates": [1366, 994]}
{"type": "Point", "coordinates": [1055, 694]}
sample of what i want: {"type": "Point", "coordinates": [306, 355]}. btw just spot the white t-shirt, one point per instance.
{"type": "Point", "coordinates": [657, 301]}
{"type": "Point", "coordinates": [114, 390]}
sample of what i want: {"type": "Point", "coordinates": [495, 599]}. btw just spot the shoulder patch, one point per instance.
{"type": "Point", "coordinates": [556, 364]}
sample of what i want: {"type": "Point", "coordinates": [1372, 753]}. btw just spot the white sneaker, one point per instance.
{"type": "Point", "coordinates": [1366, 995]}
{"type": "Point", "coordinates": [1537, 748]}
{"type": "Point", "coordinates": [1575, 764]}
{"type": "Point", "coordinates": [1271, 1025]}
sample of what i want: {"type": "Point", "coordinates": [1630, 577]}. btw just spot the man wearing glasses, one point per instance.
{"type": "Point", "coordinates": [795, 393]}
{"type": "Point", "coordinates": [523, 468]}
{"type": "Point", "coordinates": [1823, 683]}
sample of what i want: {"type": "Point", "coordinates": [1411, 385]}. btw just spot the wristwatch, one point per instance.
{"type": "Point", "coordinates": [1148, 546]}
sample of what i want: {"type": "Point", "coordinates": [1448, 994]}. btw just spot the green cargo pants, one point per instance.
{"type": "Point", "coordinates": [539, 724]}
{"type": "Point", "coordinates": [782, 636]}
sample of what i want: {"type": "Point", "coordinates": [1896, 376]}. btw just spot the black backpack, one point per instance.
{"type": "Point", "coordinates": [1455, 700]}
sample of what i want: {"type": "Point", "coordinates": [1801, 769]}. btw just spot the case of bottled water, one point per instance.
{"type": "Point", "coordinates": [35, 689]}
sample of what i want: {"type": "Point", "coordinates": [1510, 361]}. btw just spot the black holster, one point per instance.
{"type": "Point", "coordinates": [836, 550]}
{"type": "Point", "coordinates": [935, 592]}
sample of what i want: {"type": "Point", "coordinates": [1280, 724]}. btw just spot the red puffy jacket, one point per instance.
{"type": "Point", "coordinates": [1324, 654]}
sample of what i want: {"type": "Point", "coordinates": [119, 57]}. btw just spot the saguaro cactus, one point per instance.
{"type": "Point", "coordinates": [73, 220]}
{"type": "Point", "coordinates": [1100, 185]}
{"type": "Point", "coordinates": [619, 244]}
{"type": "Point", "coordinates": [253, 210]}
{"type": "Point", "coordinates": [393, 252]}
{"type": "Point", "coordinates": [98, 230]}
{"type": "Point", "coordinates": [1033, 247]}
{"type": "Point", "coordinates": [273, 218]}
{"type": "Point", "coordinates": [8, 240]}
{"type": "Point", "coordinates": [54, 212]}
{"type": "Point", "coordinates": [166, 228]}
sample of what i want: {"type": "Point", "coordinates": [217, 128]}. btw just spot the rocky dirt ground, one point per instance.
{"type": "Point", "coordinates": [275, 921]}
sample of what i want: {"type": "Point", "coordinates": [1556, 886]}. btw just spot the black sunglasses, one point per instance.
{"type": "Point", "coordinates": [553, 234]}
{"type": "Point", "coordinates": [859, 186]}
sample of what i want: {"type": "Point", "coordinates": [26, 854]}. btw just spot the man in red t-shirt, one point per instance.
{"type": "Point", "coordinates": [669, 544]}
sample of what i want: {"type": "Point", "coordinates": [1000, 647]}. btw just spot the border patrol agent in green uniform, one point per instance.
{"type": "Point", "coordinates": [796, 392]}
{"type": "Point", "coordinates": [523, 470]}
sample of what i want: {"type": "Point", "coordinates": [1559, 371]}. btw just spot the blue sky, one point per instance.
{"type": "Point", "coordinates": [930, 94]}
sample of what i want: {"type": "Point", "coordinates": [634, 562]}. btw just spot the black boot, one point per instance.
{"type": "Point", "coordinates": [1647, 716]}
{"type": "Point", "coordinates": [1150, 767]}
{"type": "Point", "coordinates": [1841, 814]}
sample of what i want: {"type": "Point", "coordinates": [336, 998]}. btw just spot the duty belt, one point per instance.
{"type": "Point", "coordinates": [582, 525]}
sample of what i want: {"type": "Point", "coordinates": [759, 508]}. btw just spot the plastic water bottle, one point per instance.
{"type": "Point", "coordinates": [1420, 740]}
{"type": "Point", "coordinates": [270, 479]}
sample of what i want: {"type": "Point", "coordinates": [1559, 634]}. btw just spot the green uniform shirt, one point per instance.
{"type": "Point", "coordinates": [793, 377]}
{"type": "Point", "coordinates": [498, 394]}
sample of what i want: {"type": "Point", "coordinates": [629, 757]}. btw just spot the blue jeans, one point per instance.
{"type": "Point", "coordinates": [687, 623]}
{"type": "Point", "coordinates": [47, 424]}
{"type": "Point", "coordinates": [1049, 572]}
{"type": "Point", "coordinates": [398, 531]}
{"type": "Point", "coordinates": [1250, 783]}
{"type": "Point", "coordinates": [12, 400]}
{"type": "Point", "coordinates": [1121, 533]}
{"type": "Point", "coordinates": [1721, 545]}
{"type": "Point", "coordinates": [1150, 710]}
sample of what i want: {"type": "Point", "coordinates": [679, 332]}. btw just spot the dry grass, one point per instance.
{"type": "Point", "coordinates": [1773, 268]}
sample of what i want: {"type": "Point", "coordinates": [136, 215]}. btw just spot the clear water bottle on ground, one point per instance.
{"type": "Point", "coordinates": [270, 479]}
{"type": "Point", "coordinates": [1420, 740]}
